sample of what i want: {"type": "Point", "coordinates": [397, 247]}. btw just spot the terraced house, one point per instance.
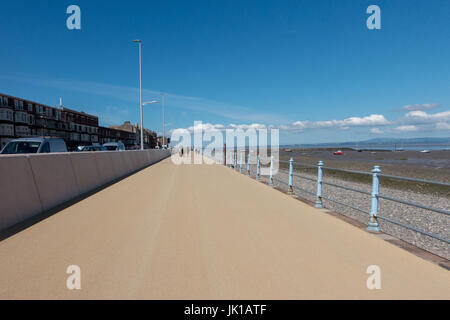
{"type": "Point", "coordinates": [24, 118]}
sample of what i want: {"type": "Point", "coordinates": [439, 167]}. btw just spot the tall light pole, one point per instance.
{"type": "Point", "coordinates": [164, 124]}
{"type": "Point", "coordinates": [140, 92]}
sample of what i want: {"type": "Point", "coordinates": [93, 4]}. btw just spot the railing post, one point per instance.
{"type": "Point", "coordinates": [373, 221]}
{"type": "Point", "coordinates": [291, 176]}
{"type": "Point", "coordinates": [240, 164]}
{"type": "Point", "coordinates": [248, 163]}
{"type": "Point", "coordinates": [235, 161]}
{"type": "Point", "coordinates": [319, 203]}
{"type": "Point", "coordinates": [271, 172]}
{"type": "Point", "coordinates": [258, 168]}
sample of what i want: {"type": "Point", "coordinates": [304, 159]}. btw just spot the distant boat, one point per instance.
{"type": "Point", "coordinates": [338, 153]}
{"type": "Point", "coordinates": [288, 150]}
{"type": "Point", "coordinates": [425, 151]}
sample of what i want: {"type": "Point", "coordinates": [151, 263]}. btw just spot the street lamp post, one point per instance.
{"type": "Point", "coordinates": [164, 124]}
{"type": "Point", "coordinates": [140, 92]}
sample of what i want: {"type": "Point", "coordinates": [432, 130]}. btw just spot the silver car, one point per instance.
{"type": "Point", "coordinates": [35, 145]}
{"type": "Point", "coordinates": [114, 146]}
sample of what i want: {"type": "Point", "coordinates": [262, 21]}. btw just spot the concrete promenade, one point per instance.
{"type": "Point", "coordinates": [205, 232]}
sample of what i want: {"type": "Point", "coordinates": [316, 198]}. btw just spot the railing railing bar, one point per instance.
{"type": "Point", "coordinates": [283, 171]}
{"type": "Point", "coordinates": [432, 235]}
{"type": "Point", "coordinates": [346, 204]}
{"type": "Point", "coordinates": [415, 180]}
{"type": "Point", "coordinates": [305, 164]}
{"type": "Point", "coordinates": [347, 170]}
{"type": "Point", "coordinates": [280, 181]}
{"type": "Point", "coordinates": [414, 204]}
{"type": "Point", "coordinates": [303, 177]}
{"type": "Point", "coordinates": [347, 188]}
{"type": "Point", "coordinates": [368, 173]}
{"type": "Point", "coordinates": [304, 190]}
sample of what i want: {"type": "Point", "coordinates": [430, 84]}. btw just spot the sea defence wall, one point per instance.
{"type": "Point", "coordinates": [33, 184]}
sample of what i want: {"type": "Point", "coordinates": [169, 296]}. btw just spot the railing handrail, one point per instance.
{"type": "Point", "coordinates": [414, 204]}
{"type": "Point", "coordinates": [415, 180]}
{"type": "Point", "coordinates": [445, 184]}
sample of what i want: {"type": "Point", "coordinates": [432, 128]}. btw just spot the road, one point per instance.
{"type": "Point", "coordinates": [205, 232]}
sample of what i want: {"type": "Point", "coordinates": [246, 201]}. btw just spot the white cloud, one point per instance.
{"type": "Point", "coordinates": [255, 126]}
{"type": "Point", "coordinates": [372, 120]}
{"type": "Point", "coordinates": [409, 128]}
{"type": "Point", "coordinates": [376, 131]}
{"type": "Point", "coordinates": [421, 117]}
{"type": "Point", "coordinates": [419, 107]}
{"type": "Point", "coordinates": [221, 127]}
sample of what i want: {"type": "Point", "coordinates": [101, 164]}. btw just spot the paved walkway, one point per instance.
{"type": "Point", "coordinates": [205, 232]}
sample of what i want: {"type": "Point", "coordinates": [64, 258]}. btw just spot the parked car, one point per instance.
{"type": "Point", "coordinates": [338, 153]}
{"type": "Point", "coordinates": [92, 148]}
{"type": "Point", "coordinates": [35, 145]}
{"type": "Point", "coordinates": [114, 146]}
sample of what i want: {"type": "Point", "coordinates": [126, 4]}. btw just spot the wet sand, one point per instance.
{"type": "Point", "coordinates": [431, 166]}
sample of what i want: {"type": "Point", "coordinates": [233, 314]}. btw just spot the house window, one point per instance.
{"type": "Point", "coordinates": [30, 107]}
{"type": "Point", "coordinates": [16, 104]}
{"type": "Point", "coordinates": [6, 129]}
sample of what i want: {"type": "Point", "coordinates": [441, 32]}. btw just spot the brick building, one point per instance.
{"type": "Point", "coordinates": [24, 118]}
{"type": "Point", "coordinates": [150, 137]}
{"type": "Point", "coordinates": [114, 135]}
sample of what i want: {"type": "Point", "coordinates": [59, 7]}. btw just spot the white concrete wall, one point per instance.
{"type": "Point", "coordinates": [32, 184]}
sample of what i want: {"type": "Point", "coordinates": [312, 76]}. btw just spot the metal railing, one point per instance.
{"type": "Point", "coordinates": [375, 195]}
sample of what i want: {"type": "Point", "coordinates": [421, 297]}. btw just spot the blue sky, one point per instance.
{"type": "Point", "coordinates": [310, 68]}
